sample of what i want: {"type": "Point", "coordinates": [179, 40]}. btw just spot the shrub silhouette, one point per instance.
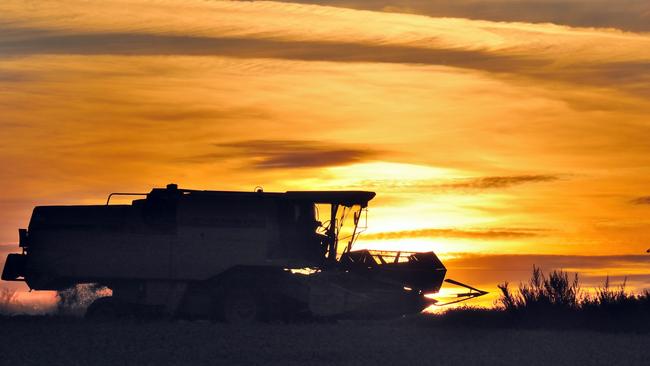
{"type": "Point", "coordinates": [557, 301]}
{"type": "Point", "coordinates": [542, 292]}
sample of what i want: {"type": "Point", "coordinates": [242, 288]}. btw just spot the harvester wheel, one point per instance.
{"type": "Point", "coordinates": [241, 306]}
{"type": "Point", "coordinates": [107, 309]}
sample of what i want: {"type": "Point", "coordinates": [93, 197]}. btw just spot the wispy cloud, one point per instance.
{"type": "Point", "coordinates": [305, 50]}
{"type": "Point", "coordinates": [461, 184]}
{"type": "Point", "coordinates": [287, 154]}
{"type": "Point", "coordinates": [626, 75]}
{"type": "Point", "coordinates": [482, 234]}
{"type": "Point", "coordinates": [632, 15]}
{"type": "Point", "coordinates": [525, 261]}
{"type": "Point", "coordinates": [8, 248]}
{"type": "Point", "coordinates": [497, 182]}
{"type": "Point", "coordinates": [174, 113]}
{"type": "Point", "coordinates": [335, 34]}
{"type": "Point", "coordinates": [644, 200]}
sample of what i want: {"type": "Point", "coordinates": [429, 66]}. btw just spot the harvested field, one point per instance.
{"type": "Point", "coordinates": [70, 341]}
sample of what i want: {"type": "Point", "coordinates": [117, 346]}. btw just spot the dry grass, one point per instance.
{"type": "Point", "coordinates": [7, 301]}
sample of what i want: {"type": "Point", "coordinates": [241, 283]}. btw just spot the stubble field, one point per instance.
{"type": "Point", "coordinates": [65, 341]}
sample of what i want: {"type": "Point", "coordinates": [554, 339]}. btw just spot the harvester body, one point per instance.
{"type": "Point", "coordinates": [227, 255]}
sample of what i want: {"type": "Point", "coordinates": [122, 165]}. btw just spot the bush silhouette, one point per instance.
{"type": "Point", "coordinates": [556, 291]}
{"type": "Point", "coordinates": [557, 301]}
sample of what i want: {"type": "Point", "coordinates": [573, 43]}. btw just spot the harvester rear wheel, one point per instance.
{"type": "Point", "coordinates": [108, 309]}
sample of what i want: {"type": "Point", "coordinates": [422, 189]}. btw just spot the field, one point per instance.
{"type": "Point", "coordinates": [69, 341]}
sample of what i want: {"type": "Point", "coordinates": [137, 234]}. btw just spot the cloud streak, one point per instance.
{"type": "Point", "coordinates": [497, 182]}
{"type": "Point", "coordinates": [524, 262]}
{"type": "Point", "coordinates": [631, 15]}
{"type": "Point", "coordinates": [479, 234]}
{"type": "Point", "coordinates": [288, 154]}
{"type": "Point", "coordinates": [9, 248]}
{"type": "Point", "coordinates": [131, 44]}
{"type": "Point", "coordinates": [644, 200]}
{"type": "Point", "coordinates": [627, 76]}
{"type": "Point", "coordinates": [335, 35]}
{"type": "Point", "coordinates": [464, 184]}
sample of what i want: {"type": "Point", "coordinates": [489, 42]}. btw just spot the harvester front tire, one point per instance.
{"type": "Point", "coordinates": [107, 309]}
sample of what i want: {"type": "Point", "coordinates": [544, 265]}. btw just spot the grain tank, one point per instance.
{"type": "Point", "coordinates": [235, 256]}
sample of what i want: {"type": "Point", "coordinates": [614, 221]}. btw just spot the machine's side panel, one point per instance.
{"type": "Point", "coordinates": [217, 233]}
{"type": "Point", "coordinates": [87, 243]}
{"type": "Point", "coordinates": [300, 243]}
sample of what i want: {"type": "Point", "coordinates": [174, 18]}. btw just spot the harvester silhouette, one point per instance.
{"type": "Point", "coordinates": [233, 256]}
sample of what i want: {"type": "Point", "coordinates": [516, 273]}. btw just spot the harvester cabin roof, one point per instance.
{"type": "Point", "coordinates": [345, 198]}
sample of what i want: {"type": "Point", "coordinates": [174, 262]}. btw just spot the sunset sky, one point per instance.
{"type": "Point", "coordinates": [499, 134]}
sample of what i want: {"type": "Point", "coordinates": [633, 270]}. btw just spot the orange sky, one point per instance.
{"type": "Point", "coordinates": [482, 138]}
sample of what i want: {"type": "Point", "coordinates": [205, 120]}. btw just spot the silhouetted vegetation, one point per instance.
{"type": "Point", "coordinates": [543, 293]}
{"type": "Point", "coordinates": [556, 301]}
{"type": "Point", "coordinates": [7, 300]}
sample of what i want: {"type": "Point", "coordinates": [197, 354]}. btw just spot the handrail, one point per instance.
{"type": "Point", "coordinates": [123, 194]}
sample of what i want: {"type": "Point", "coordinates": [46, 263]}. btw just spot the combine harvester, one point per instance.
{"type": "Point", "coordinates": [233, 256]}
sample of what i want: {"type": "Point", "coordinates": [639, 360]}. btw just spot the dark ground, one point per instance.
{"type": "Point", "coordinates": [70, 341]}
